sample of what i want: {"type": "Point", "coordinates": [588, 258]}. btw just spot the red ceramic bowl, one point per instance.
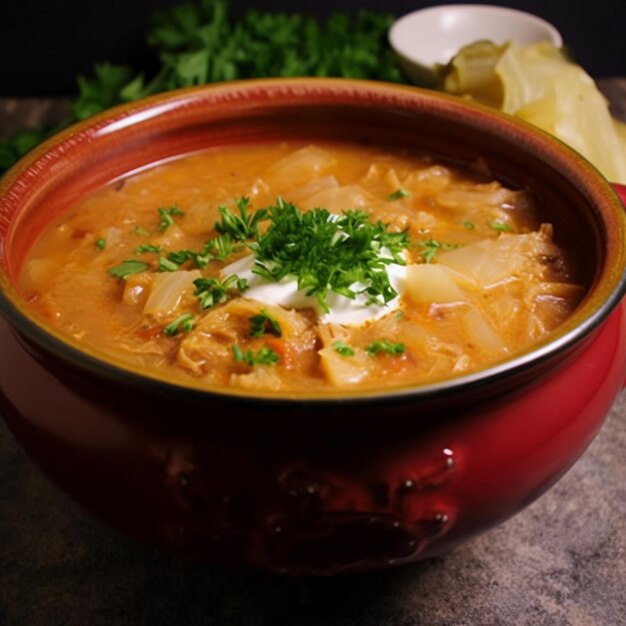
{"type": "Point", "coordinates": [310, 485]}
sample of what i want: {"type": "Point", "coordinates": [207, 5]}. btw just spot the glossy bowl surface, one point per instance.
{"type": "Point", "coordinates": [302, 484]}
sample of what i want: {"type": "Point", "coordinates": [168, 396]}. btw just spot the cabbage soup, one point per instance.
{"type": "Point", "coordinates": [304, 269]}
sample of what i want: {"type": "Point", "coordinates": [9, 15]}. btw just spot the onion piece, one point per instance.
{"type": "Point", "coordinates": [168, 289]}
{"type": "Point", "coordinates": [482, 334]}
{"type": "Point", "coordinates": [298, 195]}
{"type": "Point", "coordinates": [493, 261]}
{"type": "Point", "coordinates": [302, 165]}
{"type": "Point", "coordinates": [426, 283]}
{"type": "Point", "coordinates": [341, 371]}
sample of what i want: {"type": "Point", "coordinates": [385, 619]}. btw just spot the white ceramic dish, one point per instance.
{"type": "Point", "coordinates": [434, 35]}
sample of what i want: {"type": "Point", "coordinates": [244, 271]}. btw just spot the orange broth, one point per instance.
{"type": "Point", "coordinates": [485, 279]}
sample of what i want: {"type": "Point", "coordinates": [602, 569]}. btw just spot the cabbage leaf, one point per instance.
{"type": "Point", "coordinates": [541, 85]}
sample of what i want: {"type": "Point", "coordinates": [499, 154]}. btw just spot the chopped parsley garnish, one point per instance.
{"type": "Point", "coordinates": [147, 247]}
{"type": "Point", "coordinates": [165, 265]}
{"type": "Point", "coordinates": [264, 323]}
{"type": "Point", "coordinates": [245, 225]}
{"type": "Point", "coordinates": [265, 356]}
{"type": "Point", "coordinates": [184, 323]}
{"type": "Point", "coordinates": [219, 248]}
{"type": "Point", "coordinates": [180, 256]}
{"type": "Point", "coordinates": [398, 194]}
{"type": "Point", "coordinates": [326, 252]}
{"type": "Point", "coordinates": [343, 348]}
{"type": "Point", "coordinates": [469, 225]}
{"type": "Point", "coordinates": [101, 244]}
{"type": "Point", "coordinates": [384, 346]}
{"type": "Point", "coordinates": [212, 291]}
{"type": "Point", "coordinates": [166, 215]}
{"type": "Point", "coordinates": [432, 246]}
{"type": "Point", "coordinates": [128, 267]}
{"type": "Point", "coordinates": [141, 232]}
{"type": "Point", "coordinates": [322, 251]}
{"type": "Point", "coordinates": [500, 226]}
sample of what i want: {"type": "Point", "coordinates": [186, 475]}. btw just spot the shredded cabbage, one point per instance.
{"type": "Point", "coordinates": [540, 85]}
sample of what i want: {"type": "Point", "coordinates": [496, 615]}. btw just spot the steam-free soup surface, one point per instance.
{"type": "Point", "coordinates": [299, 269]}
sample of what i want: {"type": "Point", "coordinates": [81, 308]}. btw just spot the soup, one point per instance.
{"type": "Point", "coordinates": [295, 268]}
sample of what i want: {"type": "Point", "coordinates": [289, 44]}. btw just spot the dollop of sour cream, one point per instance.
{"type": "Point", "coordinates": [342, 310]}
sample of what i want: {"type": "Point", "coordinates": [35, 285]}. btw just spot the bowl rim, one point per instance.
{"type": "Point", "coordinates": [16, 311]}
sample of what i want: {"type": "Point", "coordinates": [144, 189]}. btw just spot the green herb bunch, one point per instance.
{"type": "Point", "coordinates": [347, 254]}
{"type": "Point", "coordinates": [197, 42]}
{"type": "Point", "coordinates": [329, 253]}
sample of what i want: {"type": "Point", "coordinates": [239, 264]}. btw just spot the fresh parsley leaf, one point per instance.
{"type": "Point", "coordinates": [265, 356]}
{"type": "Point", "coordinates": [165, 265]}
{"type": "Point", "coordinates": [384, 346]}
{"type": "Point", "coordinates": [102, 90]}
{"type": "Point", "coordinates": [500, 226]}
{"type": "Point", "coordinates": [264, 323]}
{"type": "Point", "coordinates": [432, 246]}
{"type": "Point", "coordinates": [128, 267]}
{"type": "Point", "coordinates": [196, 42]}
{"type": "Point", "coordinates": [148, 247]}
{"type": "Point", "coordinates": [141, 232]}
{"type": "Point", "coordinates": [469, 225]}
{"type": "Point", "coordinates": [326, 253]}
{"type": "Point", "coordinates": [101, 244]}
{"type": "Point", "coordinates": [181, 256]}
{"type": "Point", "coordinates": [166, 215]}
{"type": "Point", "coordinates": [219, 248]}
{"type": "Point", "coordinates": [183, 322]}
{"type": "Point", "coordinates": [398, 194]}
{"type": "Point", "coordinates": [343, 348]}
{"type": "Point", "coordinates": [242, 227]}
{"type": "Point", "coordinates": [212, 291]}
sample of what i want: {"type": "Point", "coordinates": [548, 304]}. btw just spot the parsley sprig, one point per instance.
{"type": "Point", "coordinates": [212, 291]}
{"type": "Point", "coordinates": [347, 254]}
{"type": "Point", "coordinates": [430, 247]}
{"type": "Point", "coordinates": [243, 226]}
{"type": "Point", "coordinates": [342, 348]}
{"type": "Point", "coordinates": [264, 356]}
{"type": "Point", "coordinates": [166, 216]}
{"type": "Point", "coordinates": [234, 229]}
{"type": "Point", "coordinates": [184, 322]}
{"type": "Point", "coordinates": [380, 346]}
{"type": "Point", "coordinates": [128, 267]}
{"type": "Point", "coordinates": [198, 42]}
{"type": "Point", "coordinates": [263, 323]}
{"type": "Point", "coordinates": [398, 194]}
{"type": "Point", "coordinates": [148, 247]}
{"type": "Point", "coordinates": [325, 252]}
{"type": "Point", "coordinates": [385, 346]}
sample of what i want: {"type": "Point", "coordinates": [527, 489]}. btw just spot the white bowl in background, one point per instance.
{"type": "Point", "coordinates": [434, 35]}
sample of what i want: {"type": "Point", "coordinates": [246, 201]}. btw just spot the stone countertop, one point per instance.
{"type": "Point", "coordinates": [562, 561]}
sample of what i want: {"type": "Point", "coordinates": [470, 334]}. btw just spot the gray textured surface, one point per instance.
{"type": "Point", "coordinates": [562, 561]}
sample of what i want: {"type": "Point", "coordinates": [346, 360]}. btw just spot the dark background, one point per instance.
{"type": "Point", "coordinates": [45, 44]}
